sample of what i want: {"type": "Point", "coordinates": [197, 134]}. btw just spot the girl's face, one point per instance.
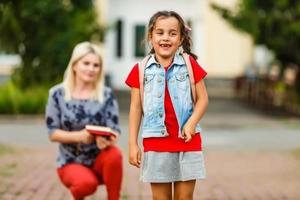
{"type": "Point", "coordinates": [165, 37]}
{"type": "Point", "coordinates": [87, 69]}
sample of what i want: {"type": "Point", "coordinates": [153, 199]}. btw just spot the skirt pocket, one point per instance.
{"type": "Point", "coordinates": [192, 165]}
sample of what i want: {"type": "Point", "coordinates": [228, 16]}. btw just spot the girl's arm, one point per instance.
{"type": "Point", "coordinates": [67, 137]}
{"type": "Point", "coordinates": [135, 115]}
{"type": "Point", "coordinates": [199, 110]}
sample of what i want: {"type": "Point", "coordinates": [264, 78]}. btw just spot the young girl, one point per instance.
{"type": "Point", "coordinates": [84, 160]}
{"type": "Point", "coordinates": [170, 129]}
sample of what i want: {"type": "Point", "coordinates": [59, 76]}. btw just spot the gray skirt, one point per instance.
{"type": "Point", "coordinates": [166, 167]}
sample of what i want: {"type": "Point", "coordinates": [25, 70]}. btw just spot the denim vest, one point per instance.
{"type": "Point", "coordinates": [179, 86]}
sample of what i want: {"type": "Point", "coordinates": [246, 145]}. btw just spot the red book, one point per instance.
{"type": "Point", "coordinates": [100, 130]}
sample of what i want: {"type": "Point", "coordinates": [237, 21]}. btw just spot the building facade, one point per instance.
{"type": "Point", "coordinates": [222, 51]}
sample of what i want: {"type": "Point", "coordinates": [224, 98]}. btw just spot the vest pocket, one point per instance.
{"type": "Point", "coordinates": [182, 80]}
{"type": "Point", "coordinates": [148, 82]}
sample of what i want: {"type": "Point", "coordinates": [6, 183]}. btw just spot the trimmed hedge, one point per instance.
{"type": "Point", "coordinates": [14, 100]}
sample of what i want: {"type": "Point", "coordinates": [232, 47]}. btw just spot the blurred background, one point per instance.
{"type": "Point", "coordinates": [250, 49]}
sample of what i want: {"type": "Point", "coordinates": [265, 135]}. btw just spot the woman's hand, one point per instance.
{"type": "Point", "coordinates": [85, 137]}
{"type": "Point", "coordinates": [102, 142]}
{"type": "Point", "coordinates": [188, 131]}
{"type": "Point", "coordinates": [135, 155]}
{"type": "Point", "coordinates": [114, 139]}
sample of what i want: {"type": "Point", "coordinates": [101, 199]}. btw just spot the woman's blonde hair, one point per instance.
{"type": "Point", "coordinates": [79, 51]}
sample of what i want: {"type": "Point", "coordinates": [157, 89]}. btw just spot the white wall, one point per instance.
{"type": "Point", "coordinates": [8, 63]}
{"type": "Point", "coordinates": [227, 51]}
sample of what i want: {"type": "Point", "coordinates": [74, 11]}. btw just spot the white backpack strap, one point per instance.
{"type": "Point", "coordinates": [187, 61]}
{"type": "Point", "coordinates": [142, 66]}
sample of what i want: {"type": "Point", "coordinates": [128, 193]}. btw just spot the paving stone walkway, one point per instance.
{"type": "Point", "coordinates": [29, 174]}
{"type": "Point", "coordinates": [249, 156]}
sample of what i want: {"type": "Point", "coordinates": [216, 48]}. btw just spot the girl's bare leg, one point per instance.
{"type": "Point", "coordinates": [183, 190]}
{"type": "Point", "coordinates": [161, 191]}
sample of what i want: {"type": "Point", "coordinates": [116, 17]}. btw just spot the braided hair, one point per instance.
{"type": "Point", "coordinates": [184, 30]}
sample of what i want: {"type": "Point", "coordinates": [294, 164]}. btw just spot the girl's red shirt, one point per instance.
{"type": "Point", "coordinates": [171, 143]}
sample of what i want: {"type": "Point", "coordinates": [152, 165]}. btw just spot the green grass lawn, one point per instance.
{"type": "Point", "coordinates": [5, 149]}
{"type": "Point", "coordinates": [297, 153]}
{"type": "Point", "coordinates": [7, 169]}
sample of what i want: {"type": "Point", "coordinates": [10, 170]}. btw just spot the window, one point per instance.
{"type": "Point", "coordinates": [119, 41]}
{"type": "Point", "coordinates": [139, 41]}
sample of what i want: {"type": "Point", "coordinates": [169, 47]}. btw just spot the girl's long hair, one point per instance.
{"type": "Point", "coordinates": [80, 51]}
{"type": "Point", "coordinates": [184, 32]}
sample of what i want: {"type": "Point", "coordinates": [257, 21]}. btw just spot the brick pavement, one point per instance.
{"type": "Point", "coordinates": [29, 174]}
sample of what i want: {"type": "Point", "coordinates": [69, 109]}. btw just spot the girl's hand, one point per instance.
{"type": "Point", "coordinates": [135, 155]}
{"type": "Point", "coordinates": [85, 137]}
{"type": "Point", "coordinates": [188, 132]}
{"type": "Point", "coordinates": [102, 143]}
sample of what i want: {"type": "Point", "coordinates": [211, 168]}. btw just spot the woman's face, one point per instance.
{"type": "Point", "coordinates": [87, 69]}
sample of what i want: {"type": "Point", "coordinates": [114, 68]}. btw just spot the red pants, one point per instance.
{"type": "Point", "coordinates": [83, 181]}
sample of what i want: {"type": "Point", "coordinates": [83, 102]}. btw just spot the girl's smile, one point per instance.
{"type": "Point", "coordinates": [165, 38]}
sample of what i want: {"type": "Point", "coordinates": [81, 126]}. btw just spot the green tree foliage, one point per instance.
{"type": "Point", "coordinates": [275, 24]}
{"type": "Point", "coordinates": [44, 33]}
